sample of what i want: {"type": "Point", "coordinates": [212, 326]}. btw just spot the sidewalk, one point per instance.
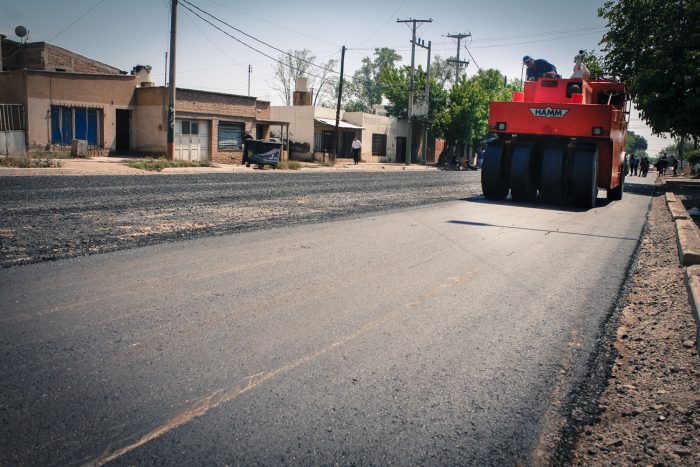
{"type": "Point", "coordinates": [119, 166]}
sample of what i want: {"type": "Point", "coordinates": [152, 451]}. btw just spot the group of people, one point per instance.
{"type": "Point", "coordinates": [638, 167]}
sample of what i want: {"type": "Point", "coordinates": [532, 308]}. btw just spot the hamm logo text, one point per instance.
{"type": "Point", "coordinates": [548, 112]}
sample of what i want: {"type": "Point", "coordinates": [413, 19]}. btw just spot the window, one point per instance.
{"type": "Point", "coordinates": [231, 135]}
{"type": "Point", "coordinates": [378, 144]}
{"type": "Point", "coordinates": [185, 128]}
{"type": "Point", "coordinates": [68, 123]}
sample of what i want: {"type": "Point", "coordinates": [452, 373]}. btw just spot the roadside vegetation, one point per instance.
{"type": "Point", "coordinates": [35, 159]}
{"type": "Point", "coordinates": [289, 165]}
{"type": "Point", "coordinates": [161, 163]}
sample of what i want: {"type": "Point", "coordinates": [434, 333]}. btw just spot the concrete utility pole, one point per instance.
{"type": "Point", "coordinates": [250, 70]}
{"type": "Point", "coordinates": [459, 62]}
{"type": "Point", "coordinates": [409, 143]}
{"type": "Point", "coordinates": [340, 96]}
{"type": "Point", "coordinates": [421, 43]}
{"type": "Point", "coordinates": [170, 147]}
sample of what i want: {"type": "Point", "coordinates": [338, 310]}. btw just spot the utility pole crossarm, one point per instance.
{"type": "Point", "coordinates": [458, 62]}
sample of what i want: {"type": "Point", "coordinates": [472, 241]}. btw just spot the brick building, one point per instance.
{"type": "Point", "coordinates": [65, 96]}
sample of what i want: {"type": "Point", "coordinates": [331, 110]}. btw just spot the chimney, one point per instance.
{"type": "Point", "coordinates": [144, 73]}
{"type": "Point", "coordinates": [302, 96]}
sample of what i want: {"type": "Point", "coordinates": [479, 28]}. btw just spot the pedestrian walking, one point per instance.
{"type": "Point", "coordinates": [675, 166]}
{"type": "Point", "coordinates": [356, 147]}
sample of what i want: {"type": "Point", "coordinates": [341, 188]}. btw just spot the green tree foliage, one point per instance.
{"type": "Point", "coordinates": [395, 83]}
{"type": "Point", "coordinates": [593, 62]}
{"type": "Point", "coordinates": [365, 89]}
{"type": "Point", "coordinates": [652, 46]}
{"type": "Point", "coordinates": [464, 119]}
{"type": "Point", "coordinates": [635, 143]}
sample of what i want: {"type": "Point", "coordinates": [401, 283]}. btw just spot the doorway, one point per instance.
{"type": "Point", "coordinates": [122, 137]}
{"type": "Point", "coordinates": [400, 149]}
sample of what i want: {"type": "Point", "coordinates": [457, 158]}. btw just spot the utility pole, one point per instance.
{"type": "Point", "coordinates": [411, 84]}
{"type": "Point", "coordinates": [421, 43]}
{"type": "Point", "coordinates": [337, 108]}
{"type": "Point", "coordinates": [170, 147]}
{"type": "Point", "coordinates": [427, 101]}
{"type": "Point", "coordinates": [165, 83]}
{"type": "Point", "coordinates": [250, 70]}
{"type": "Point", "coordinates": [458, 62]}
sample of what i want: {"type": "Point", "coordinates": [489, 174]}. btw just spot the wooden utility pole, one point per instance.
{"type": "Point", "coordinates": [411, 85]}
{"type": "Point", "coordinates": [170, 147]}
{"type": "Point", "coordinates": [340, 96]}
{"type": "Point", "coordinates": [458, 62]}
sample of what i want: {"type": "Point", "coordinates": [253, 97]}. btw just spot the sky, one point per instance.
{"type": "Point", "coordinates": [125, 33]}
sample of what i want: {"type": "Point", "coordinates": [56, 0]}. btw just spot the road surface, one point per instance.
{"type": "Point", "coordinates": [441, 334]}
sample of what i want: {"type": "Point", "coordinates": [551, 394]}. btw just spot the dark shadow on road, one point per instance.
{"type": "Point", "coordinates": [547, 232]}
{"type": "Point", "coordinates": [632, 188]}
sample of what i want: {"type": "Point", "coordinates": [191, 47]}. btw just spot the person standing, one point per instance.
{"type": "Point", "coordinates": [634, 165]}
{"type": "Point", "coordinates": [356, 147]}
{"type": "Point", "coordinates": [663, 164]}
{"type": "Point", "coordinates": [644, 166]}
{"type": "Point", "coordinates": [674, 164]}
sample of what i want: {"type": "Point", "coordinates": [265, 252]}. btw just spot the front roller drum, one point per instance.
{"type": "Point", "coordinates": [552, 184]}
{"type": "Point", "coordinates": [524, 174]}
{"type": "Point", "coordinates": [494, 173]}
{"type": "Point", "coordinates": [585, 178]}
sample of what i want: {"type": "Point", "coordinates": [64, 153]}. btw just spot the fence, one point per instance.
{"type": "Point", "coordinates": [12, 130]}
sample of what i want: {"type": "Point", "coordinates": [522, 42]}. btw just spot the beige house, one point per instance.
{"type": "Point", "coordinates": [312, 133]}
{"type": "Point", "coordinates": [62, 96]}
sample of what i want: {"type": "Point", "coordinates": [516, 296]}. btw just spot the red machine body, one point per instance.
{"type": "Point", "coordinates": [541, 131]}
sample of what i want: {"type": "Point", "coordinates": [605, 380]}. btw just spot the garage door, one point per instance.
{"type": "Point", "coordinates": [191, 140]}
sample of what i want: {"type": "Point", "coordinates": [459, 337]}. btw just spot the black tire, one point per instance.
{"type": "Point", "coordinates": [585, 178]}
{"type": "Point", "coordinates": [524, 174]}
{"type": "Point", "coordinates": [552, 175]}
{"type": "Point", "coordinates": [494, 175]}
{"type": "Point", "coordinates": [615, 194]}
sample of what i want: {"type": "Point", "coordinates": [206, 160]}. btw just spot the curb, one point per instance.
{"type": "Point", "coordinates": [688, 240]}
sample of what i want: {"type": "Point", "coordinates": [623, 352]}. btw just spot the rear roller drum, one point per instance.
{"type": "Point", "coordinates": [585, 178]}
{"type": "Point", "coordinates": [552, 178]}
{"type": "Point", "coordinates": [523, 174]}
{"type": "Point", "coordinates": [494, 175]}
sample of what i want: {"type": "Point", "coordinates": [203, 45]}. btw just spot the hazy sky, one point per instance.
{"type": "Point", "coordinates": [124, 33]}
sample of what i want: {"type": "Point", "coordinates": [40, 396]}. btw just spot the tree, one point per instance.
{"type": "Point", "coordinates": [648, 46]}
{"type": "Point", "coordinates": [635, 143]}
{"type": "Point", "coordinates": [463, 122]}
{"type": "Point", "coordinates": [301, 63]}
{"type": "Point", "coordinates": [364, 89]}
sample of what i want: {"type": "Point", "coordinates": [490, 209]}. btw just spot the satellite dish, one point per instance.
{"type": "Point", "coordinates": [20, 31]}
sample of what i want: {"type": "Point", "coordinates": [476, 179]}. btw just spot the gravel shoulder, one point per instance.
{"type": "Point", "coordinates": [649, 411]}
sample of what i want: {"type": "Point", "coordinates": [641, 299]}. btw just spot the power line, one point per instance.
{"type": "Point", "coordinates": [252, 37]}
{"type": "Point", "coordinates": [241, 42]}
{"type": "Point", "coordinates": [77, 19]}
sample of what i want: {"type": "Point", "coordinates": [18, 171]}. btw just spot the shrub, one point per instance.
{"type": "Point", "coordinates": [161, 163]}
{"type": "Point", "coordinates": [27, 162]}
{"type": "Point", "coordinates": [289, 165]}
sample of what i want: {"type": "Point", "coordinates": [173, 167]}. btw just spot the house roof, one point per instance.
{"type": "Point", "coordinates": [341, 123]}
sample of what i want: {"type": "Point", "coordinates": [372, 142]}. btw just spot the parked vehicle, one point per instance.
{"type": "Point", "coordinates": [559, 140]}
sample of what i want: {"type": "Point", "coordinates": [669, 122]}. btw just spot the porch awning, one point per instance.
{"type": "Point", "coordinates": [341, 123]}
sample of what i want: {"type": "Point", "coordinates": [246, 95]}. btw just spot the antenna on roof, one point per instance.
{"type": "Point", "coordinates": [20, 31]}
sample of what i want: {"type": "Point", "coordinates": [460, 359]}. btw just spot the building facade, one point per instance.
{"type": "Point", "coordinates": [63, 96]}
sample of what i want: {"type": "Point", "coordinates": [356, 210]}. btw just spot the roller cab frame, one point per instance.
{"type": "Point", "coordinates": [559, 141]}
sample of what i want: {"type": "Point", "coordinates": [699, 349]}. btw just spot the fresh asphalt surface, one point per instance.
{"type": "Point", "coordinates": [442, 334]}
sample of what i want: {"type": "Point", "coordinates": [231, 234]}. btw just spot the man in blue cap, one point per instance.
{"type": "Point", "coordinates": [539, 68]}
